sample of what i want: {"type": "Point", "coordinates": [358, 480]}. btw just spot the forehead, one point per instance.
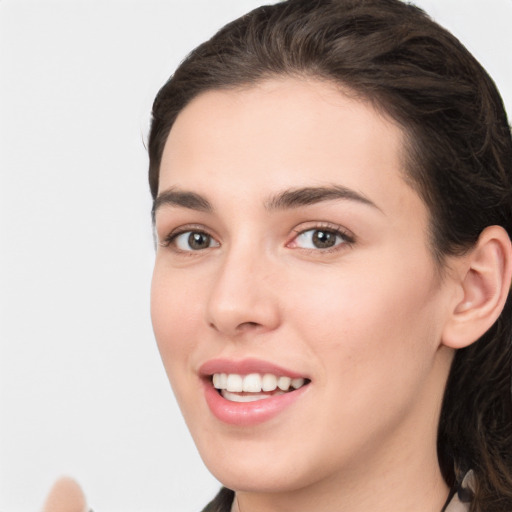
{"type": "Point", "coordinates": [285, 133]}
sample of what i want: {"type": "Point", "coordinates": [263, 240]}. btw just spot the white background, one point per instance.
{"type": "Point", "coordinates": [82, 390]}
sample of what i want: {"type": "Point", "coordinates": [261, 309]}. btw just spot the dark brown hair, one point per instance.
{"type": "Point", "coordinates": [459, 151]}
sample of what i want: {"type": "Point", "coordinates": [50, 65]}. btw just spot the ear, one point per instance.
{"type": "Point", "coordinates": [484, 284]}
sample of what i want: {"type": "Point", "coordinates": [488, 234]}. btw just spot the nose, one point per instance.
{"type": "Point", "coordinates": [243, 297]}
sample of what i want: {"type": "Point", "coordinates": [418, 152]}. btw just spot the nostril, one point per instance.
{"type": "Point", "coordinates": [248, 326]}
{"type": "Point", "coordinates": [244, 326]}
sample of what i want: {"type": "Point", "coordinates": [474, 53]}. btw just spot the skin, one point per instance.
{"type": "Point", "coordinates": [364, 320]}
{"type": "Point", "coordinates": [65, 496]}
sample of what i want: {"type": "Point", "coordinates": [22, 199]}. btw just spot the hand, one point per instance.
{"type": "Point", "coordinates": [65, 496]}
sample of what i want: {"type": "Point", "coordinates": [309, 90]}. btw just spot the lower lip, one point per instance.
{"type": "Point", "coordinates": [249, 413]}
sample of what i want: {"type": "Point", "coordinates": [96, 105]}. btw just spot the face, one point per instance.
{"type": "Point", "coordinates": [295, 301]}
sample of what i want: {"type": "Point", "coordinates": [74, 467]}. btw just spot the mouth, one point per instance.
{"type": "Point", "coordinates": [251, 391]}
{"type": "Point", "coordinates": [253, 387]}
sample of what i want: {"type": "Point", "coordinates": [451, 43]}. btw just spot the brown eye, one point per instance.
{"type": "Point", "coordinates": [197, 241]}
{"type": "Point", "coordinates": [319, 239]}
{"type": "Point", "coordinates": [323, 239]}
{"type": "Point", "coordinates": [193, 241]}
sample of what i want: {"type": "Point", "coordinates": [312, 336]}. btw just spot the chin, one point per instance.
{"type": "Point", "coordinates": [256, 478]}
{"type": "Point", "coordinates": [249, 466]}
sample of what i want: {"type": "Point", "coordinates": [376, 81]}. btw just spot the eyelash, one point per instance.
{"type": "Point", "coordinates": [347, 239]}
{"type": "Point", "coordinates": [170, 239]}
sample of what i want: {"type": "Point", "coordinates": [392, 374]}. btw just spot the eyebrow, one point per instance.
{"type": "Point", "coordinates": [184, 199]}
{"type": "Point", "coordinates": [297, 197]}
{"type": "Point", "coordinates": [288, 199]}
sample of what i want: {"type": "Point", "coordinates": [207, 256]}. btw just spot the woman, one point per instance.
{"type": "Point", "coordinates": [332, 191]}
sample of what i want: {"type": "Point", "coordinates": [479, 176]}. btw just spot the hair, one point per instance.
{"type": "Point", "coordinates": [458, 159]}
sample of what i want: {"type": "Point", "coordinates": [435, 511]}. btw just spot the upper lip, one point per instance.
{"type": "Point", "coordinates": [245, 367]}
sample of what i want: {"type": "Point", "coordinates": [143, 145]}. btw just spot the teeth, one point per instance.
{"type": "Point", "coordinates": [235, 397]}
{"type": "Point", "coordinates": [269, 382]}
{"type": "Point", "coordinates": [298, 383]}
{"type": "Point", "coordinates": [235, 383]}
{"type": "Point", "coordinates": [254, 382]}
{"type": "Point", "coordinates": [283, 383]}
{"type": "Point", "coordinates": [220, 380]}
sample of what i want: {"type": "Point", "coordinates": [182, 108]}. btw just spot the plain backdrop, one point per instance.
{"type": "Point", "coordinates": [82, 389]}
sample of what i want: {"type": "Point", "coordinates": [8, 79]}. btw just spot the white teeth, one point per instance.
{"type": "Point", "coordinates": [235, 397]}
{"type": "Point", "coordinates": [220, 380]}
{"type": "Point", "coordinates": [235, 383]}
{"type": "Point", "coordinates": [252, 383]}
{"type": "Point", "coordinates": [269, 382]}
{"type": "Point", "coordinates": [283, 383]}
{"type": "Point", "coordinates": [297, 383]}
{"type": "Point", "coordinates": [255, 382]}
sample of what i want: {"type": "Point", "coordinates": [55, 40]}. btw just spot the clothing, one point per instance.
{"type": "Point", "coordinates": [222, 502]}
{"type": "Point", "coordinates": [462, 495]}
{"type": "Point", "coordinates": [458, 500]}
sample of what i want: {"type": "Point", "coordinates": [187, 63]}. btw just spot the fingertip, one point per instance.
{"type": "Point", "coordinates": [65, 496]}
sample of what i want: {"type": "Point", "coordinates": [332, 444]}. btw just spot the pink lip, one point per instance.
{"type": "Point", "coordinates": [244, 367]}
{"type": "Point", "coordinates": [247, 413]}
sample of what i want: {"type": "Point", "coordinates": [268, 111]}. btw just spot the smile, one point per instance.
{"type": "Point", "coordinates": [250, 391]}
{"type": "Point", "coordinates": [250, 388]}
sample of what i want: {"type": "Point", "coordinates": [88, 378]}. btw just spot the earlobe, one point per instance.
{"type": "Point", "coordinates": [485, 275]}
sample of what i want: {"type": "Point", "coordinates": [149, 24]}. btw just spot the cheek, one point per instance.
{"type": "Point", "coordinates": [371, 328]}
{"type": "Point", "coordinates": [174, 315]}
{"type": "Point", "coordinates": [375, 344]}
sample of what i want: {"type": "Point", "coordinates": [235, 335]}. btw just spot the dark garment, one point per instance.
{"type": "Point", "coordinates": [222, 502]}
{"type": "Point", "coordinates": [458, 499]}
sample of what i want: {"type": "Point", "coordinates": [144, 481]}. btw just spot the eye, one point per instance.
{"type": "Point", "coordinates": [191, 241]}
{"type": "Point", "coordinates": [320, 238]}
